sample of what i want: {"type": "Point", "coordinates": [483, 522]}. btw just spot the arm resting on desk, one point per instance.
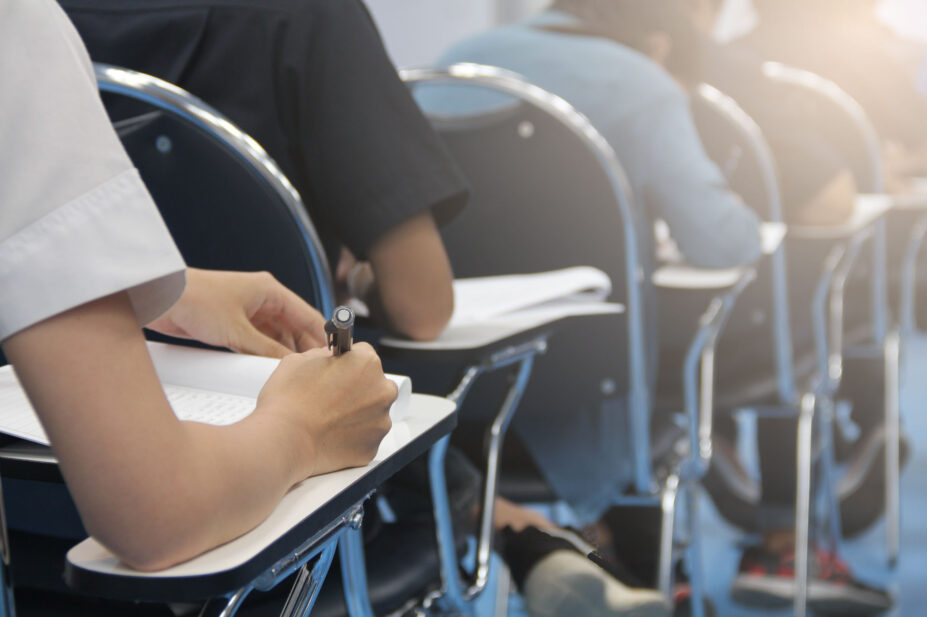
{"type": "Point", "coordinates": [408, 283]}
{"type": "Point", "coordinates": [156, 490]}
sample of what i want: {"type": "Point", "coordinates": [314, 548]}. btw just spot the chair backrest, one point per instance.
{"type": "Point", "coordinates": [832, 113]}
{"type": "Point", "coordinates": [761, 317]}
{"type": "Point", "coordinates": [547, 192]}
{"type": "Point", "coordinates": [837, 117]}
{"type": "Point", "coordinates": [225, 201]}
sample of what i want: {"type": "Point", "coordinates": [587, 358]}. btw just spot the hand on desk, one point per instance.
{"type": "Point", "coordinates": [248, 312]}
{"type": "Point", "coordinates": [338, 407]}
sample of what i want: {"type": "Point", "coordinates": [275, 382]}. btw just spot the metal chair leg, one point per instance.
{"type": "Point", "coordinates": [828, 486]}
{"type": "Point", "coordinates": [694, 553]}
{"type": "Point", "coordinates": [892, 350]}
{"type": "Point", "coordinates": [667, 537]}
{"type": "Point", "coordinates": [909, 276]}
{"type": "Point", "coordinates": [225, 607]}
{"type": "Point", "coordinates": [308, 583]}
{"type": "Point", "coordinates": [803, 503]}
{"type": "Point", "coordinates": [354, 570]}
{"type": "Point", "coordinates": [7, 606]}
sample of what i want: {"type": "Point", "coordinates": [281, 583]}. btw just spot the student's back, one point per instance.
{"type": "Point", "coordinates": [639, 109]}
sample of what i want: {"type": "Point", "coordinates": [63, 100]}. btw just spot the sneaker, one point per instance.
{"type": "Point", "coordinates": [767, 580]}
{"type": "Point", "coordinates": [559, 573]}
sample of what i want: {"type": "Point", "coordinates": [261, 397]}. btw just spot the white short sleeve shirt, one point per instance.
{"type": "Point", "coordinates": [76, 222]}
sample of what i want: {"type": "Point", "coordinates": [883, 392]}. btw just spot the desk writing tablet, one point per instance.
{"type": "Point", "coordinates": [498, 329]}
{"type": "Point", "coordinates": [869, 208]}
{"type": "Point", "coordinates": [682, 276]}
{"type": "Point", "coordinates": [305, 509]}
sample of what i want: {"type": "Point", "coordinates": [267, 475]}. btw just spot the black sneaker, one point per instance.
{"type": "Point", "coordinates": [767, 580]}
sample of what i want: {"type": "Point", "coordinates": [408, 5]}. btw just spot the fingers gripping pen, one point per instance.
{"type": "Point", "coordinates": [340, 330]}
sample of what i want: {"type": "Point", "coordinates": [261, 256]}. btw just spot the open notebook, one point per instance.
{"type": "Point", "coordinates": [489, 309]}
{"type": "Point", "coordinates": [212, 387]}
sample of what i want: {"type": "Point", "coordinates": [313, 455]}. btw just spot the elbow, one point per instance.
{"type": "Point", "coordinates": [429, 322]}
{"type": "Point", "coordinates": [423, 316]}
{"type": "Point", "coordinates": [145, 552]}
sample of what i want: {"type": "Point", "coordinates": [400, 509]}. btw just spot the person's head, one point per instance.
{"type": "Point", "coordinates": [664, 30]}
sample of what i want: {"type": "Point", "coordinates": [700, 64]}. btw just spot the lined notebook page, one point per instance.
{"type": "Point", "coordinates": [199, 397]}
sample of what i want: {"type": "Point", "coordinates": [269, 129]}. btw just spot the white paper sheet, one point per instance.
{"type": "Point", "coordinates": [201, 385]}
{"type": "Point", "coordinates": [480, 299]}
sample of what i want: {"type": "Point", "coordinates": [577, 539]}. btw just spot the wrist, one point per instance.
{"type": "Point", "coordinates": [296, 449]}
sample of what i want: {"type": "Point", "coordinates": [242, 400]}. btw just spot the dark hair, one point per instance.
{"type": "Point", "coordinates": [631, 22]}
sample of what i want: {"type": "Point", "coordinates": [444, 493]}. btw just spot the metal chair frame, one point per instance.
{"type": "Point", "coordinates": [886, 335]}
{"type": "Point", "coordinates": [701, 352]}
{"type": "Point", "coordinates": [753, 136]}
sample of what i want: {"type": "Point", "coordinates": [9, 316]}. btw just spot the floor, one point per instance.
{"type": "Point", "coordinates": [867, 554]}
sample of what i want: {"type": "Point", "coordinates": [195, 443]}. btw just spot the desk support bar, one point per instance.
{"type": "Point", "coordinates": [308, 583]}
{"type": "Point", "coordinates": [909, 274]}
{"type": "Point", "coordinates": [453, 594]}
{"type": "Point", "coordinates": [803, 504]}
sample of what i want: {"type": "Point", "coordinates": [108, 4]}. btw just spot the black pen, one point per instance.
{"type": "Point", "coordinates": [340, 330]}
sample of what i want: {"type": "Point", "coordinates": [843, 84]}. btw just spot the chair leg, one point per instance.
{"type": "Point", "coordinates": [829, 474]}
{"type": "Point", "coordinates": [667, 537]}
{"type": "Point", "coordinates": [892, 353]}
{"type": "Point", "coordinates": [354, 572]}
{"type": "Point", "coordinates": [694, 552]}
{"type": "Point", "coordinates": [225, 607]}
{"type": "Point", "coordinates": [308, 583]}
{"type": "Point", "coordinates": [7, 606]}
{"type": "Point", "coordinates": [803, 503]}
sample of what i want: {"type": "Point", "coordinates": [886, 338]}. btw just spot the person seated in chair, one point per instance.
{"type": "Point", "coordinates": [85, 261]}
{"type": "Point", "coordinates": [844, 42]}
{"type": "Point", "coordinates": [311, 81]}
{"type": "Point", "coordinates": [625, 65]}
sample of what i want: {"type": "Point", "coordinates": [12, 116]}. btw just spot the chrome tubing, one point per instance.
{"type": "Point", "coordinates": [803, 503]}
{"type": "Point", "coordinates": [667, 536]}
{"type": "Point", "coordinates": [781, 331]}
{"type": "Point", "coordinates": [909, 276]}
{"type": "Point", "coordinates": [308, 582]}
{"type": "Point", "coordinates": [163, 95]}
{"type": "Point", "coordinates": [354, 571]}
{"type": "Point", "coordinates": [496, 436]}
{"type": "Point", "coordinates": [892, 349]}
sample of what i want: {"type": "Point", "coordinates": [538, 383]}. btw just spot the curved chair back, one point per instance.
{"type": "Point", "coordinates": [225, 201]}
{"type": "Point", "coordinates": [761, 318]}
{"type": "Point", "coordinates": [547, 192]}
{"type": "Point", "coordinates": [834, 114]}
{"type": "Point", "coordinates": [842, 122]}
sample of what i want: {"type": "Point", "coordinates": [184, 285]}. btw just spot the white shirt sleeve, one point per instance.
{"type": "Point", "coordinates": [76, 222]}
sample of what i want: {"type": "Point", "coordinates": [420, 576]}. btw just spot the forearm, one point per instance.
{"type": "Point", "coordinates": [410, 284]}
{"type": "Point", "coordinates": [151, 488]}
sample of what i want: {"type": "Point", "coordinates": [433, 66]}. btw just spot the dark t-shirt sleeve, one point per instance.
{"type": "Point", "coordinates": [372, 159]}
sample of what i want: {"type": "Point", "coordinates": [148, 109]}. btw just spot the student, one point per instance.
{"type": "Point", "coordinates": [623, 64]}
{"type": "Point", "coordinates": [84, 260]}
{"type": "Point", "coordinates": [843, 41]}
